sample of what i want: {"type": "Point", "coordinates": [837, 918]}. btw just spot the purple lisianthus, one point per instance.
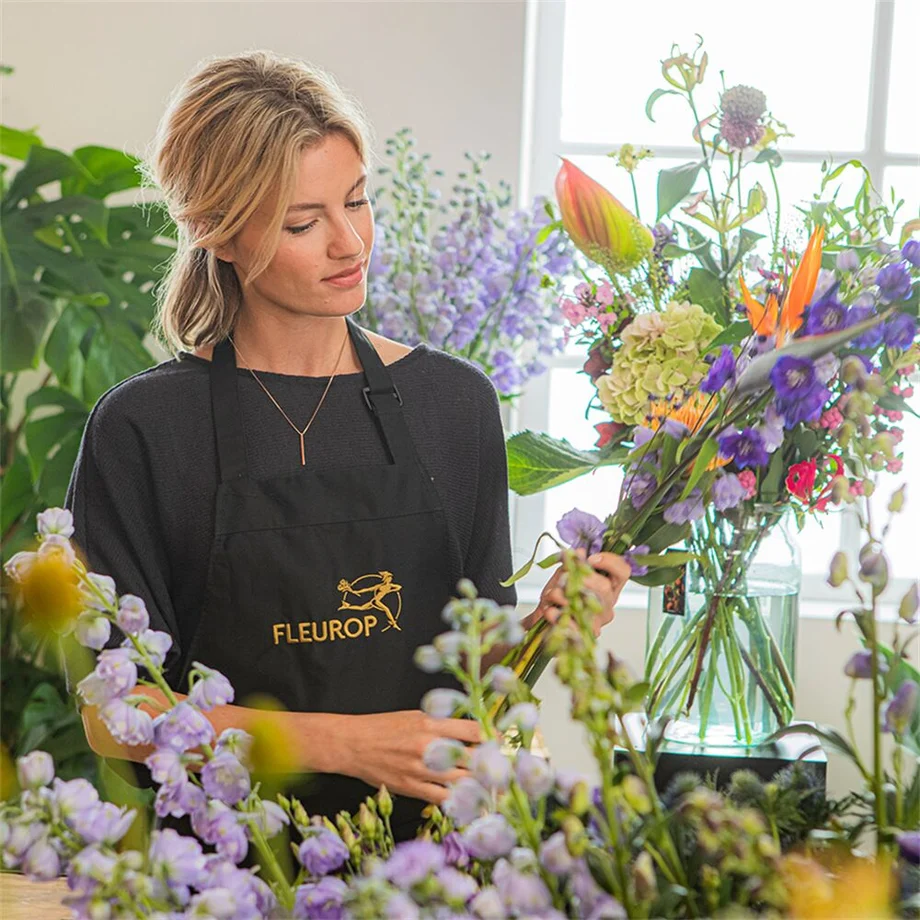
{"type": "Point", "coordinates": [126, 723]}
{"type": "Point", "coordinates": [490, 767]}
{"type": "Point", "coordinates": [35, 770]}
{"type": "Point", "coordinates": [745, 448]}
{"type": "Point", "coordinates": [322, 851]}
{"type": "Point", "coordinates": [226, 779]}
{"type": "Point", "coordinates": [456, 886]}
{"type": "Point", "coordinates": [636, 569]}
{"type": "Point", "coordinates": [871, 338]}
{"type": "Point", "coordinates": [455, 853]}
{"type": "Point", "coordinates": [911, 252]}
{"type": "Point", "coordinates": [522, 892]}
{"type": "Point", "coordinates": [489, 837]}
{"type": "Point", "coordinates": [721, 372]}
{"type": "Point", "coordinates": [321, 900]}
{"type": "Point", "coordinates": [899, 331]}
{"type": "Point", "coordinates": [639, 488]}
{"type": "Point", "coordinates": [132, 616]}
{"type": "Point", "coordinates": [533, 773]}
{"type": "Point", "coordinates": [114, 675]}
{"type": "Point", "coordinates": [900, 710]}
{"type": "Point", "coordinates": [443, 754]}
{"type": "Point", "coordinates": [92, 630]}
{"type": "Point", "coordinates": [211, 689]}
{"type": "Point", "coordinates": [893, 282]}
{"type": "Point", "coordinates": [178, 860]}
{"type": "Point", "coordinates": [412, 862]}
{"type": "Point", "coordinates": [488, 904]}
{"type": "Point", "coordinates": [103, 822]}
{"type": "Point", "coordinates": [41, 862]}
{"type": "Point", "coordinates": [581, 530]}
{"type": "Point", "coordinates": [909, 847]}
{"type": "Point", "coordinates": [826, 315]}
{"type": "Point", "coordinates": [727, 492]}
{"type": "Point", "coordinates": [182, 728]}
{"type": "Point", "coordinates": [800, 395]}
{"type": "Point", "coordinates": [772, 429]}
{"type": "Point", "coordinates": [465, 800]}
{"type": "Point", "coordinates": [555, 856]}
{"type": "Point", "coordinates": [690, 509]}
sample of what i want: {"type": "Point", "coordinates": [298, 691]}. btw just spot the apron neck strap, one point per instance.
{"type": "Point", "coordinates": [380, 394]}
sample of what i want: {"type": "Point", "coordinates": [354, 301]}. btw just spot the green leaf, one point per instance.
{"type": "Point", "coordinates": [42, 165]}
{"type": "Point", "coordinates": [747, 241]}
{"type": "Point", "coordinates": [16, 493]}
{"type": "Point", "coordinates": [707, 453]}
{"type": "Point", "coordinates": [658, 535]}
{"type": "Point", "coordinates": [24, 327]}
{"type": "Point", "coordinates": [732, 334]}
{"type": "Point", "coordinates": [16, 144]}
{"type": "Point", "coordinates": [655, 96]}
{"type": "Point", "coordinates": [830, 736]}
{"type": "Point", "coordinates": [527, 566]}
{"type": "Point", "coordinates": [537, 462]}
{"type": "Point", "coordinates": [700, 246]}
{"type": "Point", "coordinates": [665, 559]}
{"type": "Point", "coordinates": [658, 577]}
{"type": "Point", "coordinates": [896, 404]}
{"type": "Point", "coordinates": [705, 289]}
{"type": "Point", "coordinates": [772, 482]}
{"type": "Point", "coordinates": [547, 231]}
{"type": "Point", "coordinates": [675, 184]}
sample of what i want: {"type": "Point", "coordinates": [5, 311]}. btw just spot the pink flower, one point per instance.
{"type": "Point", "coordinates": [606, 320]}
{"type": "Point", "coordinates": [604, 295]}
{"type": "Point", "coordinates": [856, 487]}
{"type": "Point", "coordinates": [574, 311]}
{"type": "Point", "coordinates": [748, 479]}
{"type": "Point", "coordinates": [897, 434]}
{"type": "Point", "coordinates": [831, 419]}
{"type": "Point", "coordinates": [894, 466]}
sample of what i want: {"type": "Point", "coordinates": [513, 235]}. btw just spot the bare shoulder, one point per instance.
{"type": "Point", "coordinates": [388, 350]}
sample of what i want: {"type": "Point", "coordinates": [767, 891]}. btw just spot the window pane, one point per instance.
{"type": "Point", "coordinates": [818, 540]}
{"type": "Point", "coordinates": [906, 182]}
{"type": "Point", "coordinates": [597, 492]}
{"type": "Point", "coordinates": [612, 56]}
{"type": "Point", "coordinates": [903, 135]}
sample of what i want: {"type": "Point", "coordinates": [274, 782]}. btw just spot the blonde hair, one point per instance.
{"type": "Point", "coordinates": [230, 140]}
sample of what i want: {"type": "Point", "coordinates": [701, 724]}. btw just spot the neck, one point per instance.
{"type": "Point", "coordinates": [306, 346]}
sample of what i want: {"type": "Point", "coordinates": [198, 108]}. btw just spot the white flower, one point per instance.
{"type": "Point", "coordinates": [55, 521]}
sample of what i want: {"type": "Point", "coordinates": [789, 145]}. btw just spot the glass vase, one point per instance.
{"type": "Point", "coordinates": [720, 652]}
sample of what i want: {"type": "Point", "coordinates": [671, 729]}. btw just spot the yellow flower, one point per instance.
{"type": "Point", "coordinates": [50, 593]}
{"type": "Point", "coordinates": [858, 888]}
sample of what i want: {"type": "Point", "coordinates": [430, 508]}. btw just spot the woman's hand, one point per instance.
{"type": "Point", "coordinates": [387, 748]}
{"type": "Point", "coordinates": [607, 584]}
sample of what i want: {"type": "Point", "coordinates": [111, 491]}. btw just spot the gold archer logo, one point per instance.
{"type": "Point", "coordinates": [382, 588]}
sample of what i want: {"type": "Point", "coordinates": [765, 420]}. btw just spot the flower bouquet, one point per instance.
{"type": "Point", "coordinates": [473, 277]}
{"type": "Point", "coordinates": [737, 386]}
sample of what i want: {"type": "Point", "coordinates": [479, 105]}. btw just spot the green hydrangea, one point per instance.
{"type": "Point", "coordinates": [661, 356]}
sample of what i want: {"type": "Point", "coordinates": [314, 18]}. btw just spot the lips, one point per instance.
{"type": "Point", "coordinates": [345, 274]}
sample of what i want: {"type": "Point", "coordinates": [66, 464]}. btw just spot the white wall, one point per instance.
{"type": "Point", "coordinates": [100, 73]}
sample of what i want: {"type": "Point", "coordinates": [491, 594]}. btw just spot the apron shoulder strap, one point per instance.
{"type": "Point", "coordinates": [382, 397]}
{"type": "Point", "coordinates": [225, 404]}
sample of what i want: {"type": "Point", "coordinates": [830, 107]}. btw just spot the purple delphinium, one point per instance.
{"type": "Point", "coordinates": [581, 530]}
{"type": "Point", "coordinates": [800, 395]}
{"type": "Point", "coordinates": [41, 862]}
{"type": "Point", "coordinates": [690, 509]}
{"type": "Point", "coordinates": [859, 666]}
{"type": "Point", "coordinates": [177, 860]}
{"type": "Point", "coordinates": [899, 331]}
{"type": "Point", "coordinates": [523, 715]}
{"type": "Point", "coordinates": [533, 773]}
{"type": "Point", "coordinates": [211, 689]}
{"type": "Point", "coordinates": [114, 675]}
{"type": "Point", "coordinates": [900, 710]}
{"type": "Point", "coordinates": [179, 799]}
{"type": "Point", "coordinates": [226, 779]}
{"type": "Point", "coordinates": [126, 723]}
{"type": "Point", "coordinates": [490, 767]}
{"type": "Point", "coordinates": [412, 862]}
{"type": "Point", "coordinates": [639, 488]}
{"type": "Point", "coordinates": [871, 338]}
{"type": "Point", "coordinates": [636, 569]}
{"type": "Point", "coordinates": [911, 252]}
{"type": "Point", "coordinates": [182, 728]}
{"type": "Point", "coordinates": [443, 754]}
{"type": "Point", "coordinates": [442, 702]}
{"type": "Point", "coordinates": [465, 800]}
{"type": "Point", "coordinates": [456, 886]}
{"type": "Point", "coordinates": [893, 282]}
{"type": "Point", "coordinates": [744, 448]}
{"type": "Point", "coordinates": [321, 900]}
{"type": "Point", "coordinates": [722, 370]}
{"type": "Point", "coordinates": [103, 822]}
{"type": "Point", "coordinates": [155, 644]}
{"type": "Point", "coordinates": [727, 492]}
{"type": "Point", "coordinates": [826, 315]}
{"type": "Point", "coordinates": [92, 631]}
{"type": "Point", "coordinates": [555, 856]}
{"type": "Point", "coordinates": [489, 837]}
{"type": "Point", "coordinates": [35, 770]}
{"type": "Point", "coordinates": [322, 851]}
{"type": "Point", "coordinates": [132, 616]}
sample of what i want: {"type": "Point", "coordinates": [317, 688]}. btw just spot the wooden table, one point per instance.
{"type": "Point", "coordinates": [21, 899]}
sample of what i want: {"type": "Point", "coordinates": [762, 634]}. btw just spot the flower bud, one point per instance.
{"type": "Point", "coordinates": [840, 491]}
{"type": "Point", "coordinates": [853, 371]}
{"type": "Point", "coordinates": [884, 443]}
{"type": "Point", "coordinates": [847, 260]}
{"type": "Point", "coordinates": [907, 609]}
{"type": "Point", "coordinates": [575, 836]}
{"type": "Point", "coordinates": [901, 709]}
{"type": "Point", "coordinates": [581, 798]}
{"type": "Point", "coordinates": [839, 573]}
{"type": "Point", "coordinates": [643, 876]}
{"type": "Point", "coordinates": [896, 503]}
{"type": "Point", "coordinates": [636, 795]}
{"type": "Point", "coordinates": [873, 568]}
{"type": "Point", "coordinates": [367, 823]}
{"type": "Point", "coordinates": [35, 770]}
{"type": "Point", "coordinates": [384, 802]}
{"type": "Point", "coordinates": [428, 659]}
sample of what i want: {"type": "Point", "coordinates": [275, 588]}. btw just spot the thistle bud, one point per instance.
{"type": "Point", "coordinates": [838, 574]}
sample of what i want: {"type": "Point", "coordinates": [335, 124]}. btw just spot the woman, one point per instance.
{"type": "Point", "coordinates": [293, 498]}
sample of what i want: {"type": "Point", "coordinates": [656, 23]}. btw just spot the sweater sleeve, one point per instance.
{"type": "Point", "coordinates": [489, 559]}
{"type": "Point", "coordinates": [116, 525]}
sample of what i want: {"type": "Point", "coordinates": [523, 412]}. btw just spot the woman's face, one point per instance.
{"type": "Point", "coordinates": [328, 229]}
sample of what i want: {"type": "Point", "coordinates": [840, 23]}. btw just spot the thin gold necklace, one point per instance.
{"type": "Point", "coordinates": [306, 428]}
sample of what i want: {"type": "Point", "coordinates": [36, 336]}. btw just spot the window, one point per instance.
{"type": "Point", "coordinates": [593, 65]}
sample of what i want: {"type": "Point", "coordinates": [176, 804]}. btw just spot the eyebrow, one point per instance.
{"type": "Point", "coordinates": [311, 206]}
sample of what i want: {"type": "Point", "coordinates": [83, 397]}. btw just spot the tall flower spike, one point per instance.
{"type": "Point", "coordinates": [598, 224]}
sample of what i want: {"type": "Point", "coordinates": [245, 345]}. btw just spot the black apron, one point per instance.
{"type": "Point", "coordinates": [322, 583]}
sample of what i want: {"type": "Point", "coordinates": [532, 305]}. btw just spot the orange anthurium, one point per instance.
{"type": "Point", "coordinates": [598, 224]}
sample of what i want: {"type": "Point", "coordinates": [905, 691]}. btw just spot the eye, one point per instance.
{"type": "Point", "coordinates": [354, 205]}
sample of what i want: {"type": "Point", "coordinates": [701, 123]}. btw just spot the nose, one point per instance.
{"type": "Point", "coordinates": [346, 242]}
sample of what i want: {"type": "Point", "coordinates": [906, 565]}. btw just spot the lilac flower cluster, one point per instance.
{"type": "Point", "coordinates": [475, 284]}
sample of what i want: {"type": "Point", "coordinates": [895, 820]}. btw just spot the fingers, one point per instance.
{"type": "Point", "coordinates": [614, 566]}
{"type": "Point", "coordinates": [462, 729]}
{"type": "Point", "coordinates": [427, 792]}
